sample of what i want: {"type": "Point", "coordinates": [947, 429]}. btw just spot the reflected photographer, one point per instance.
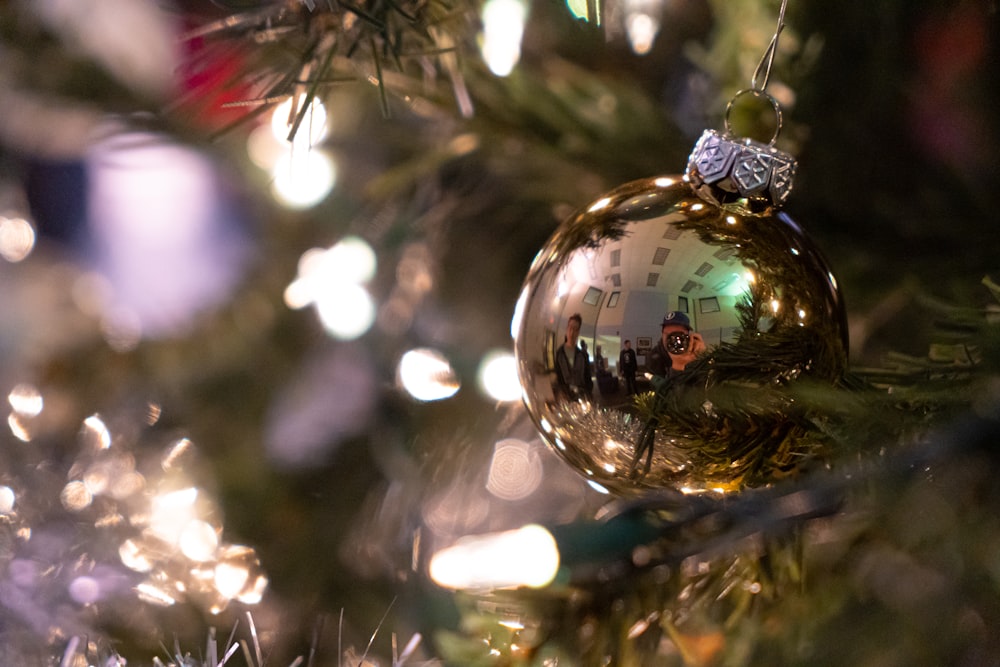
{"type": "Point", "coordinates": [678, 346]}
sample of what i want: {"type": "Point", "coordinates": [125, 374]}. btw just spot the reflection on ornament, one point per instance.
{"type": "Point", "coordinates": [752, 288]}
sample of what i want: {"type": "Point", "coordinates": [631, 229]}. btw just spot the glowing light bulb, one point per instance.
{"type": "Point", "coordinates": [527, 556]}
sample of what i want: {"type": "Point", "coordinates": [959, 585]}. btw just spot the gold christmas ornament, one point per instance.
{"type": "Point", "coordinates": [721, 301]}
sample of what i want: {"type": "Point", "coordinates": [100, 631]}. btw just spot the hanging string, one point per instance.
{"type": "Point", "coordinates": [763, 71]}
{"type": "Point", "coordinates": [759, 80]}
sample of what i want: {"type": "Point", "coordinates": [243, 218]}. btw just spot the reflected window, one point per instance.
{"type": "Point", "coordinates": [709, 304]}
{"type": "Point", "coordinates": [593, 296]}
{"type": "Point", "coordinates": [682, 304]}
{"type": "Point", "coordinates": [613, 299]}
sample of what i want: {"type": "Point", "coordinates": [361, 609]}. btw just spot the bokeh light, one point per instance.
{"type": "Point", "coordinates": [312, 130]}
{"type": "Point", "coordinates": [7, 499]}
{"type": "Point", "coordinates": [95, 432]}
{"type": "Point", "coordinates": [76, 496]}
{"type": "Point", "coordinates": [134, 556]}
{"type": "Point", "coordinates": [498, 376]}
{"type": "Point", "coordinates": [18, 427]}
{"type": "Point", "coordinates": [332, 280]}
{"type": "Point", "coordinates": [302, 173]}
{"type": "Point", "coordinates": [303, 178]}
{"type": "Point", "coordinates": [199, 541]}
{"type": "Point", "coordinates": [515, 470]}
{"type": "Point", "coordinates": [25, 400]}
{"type": "Point", "coordinates": [503, 29]}
{"type": "Point", "coordinates": [348, 313]}
{"type": "Point", "coordinates": [85, 590]}
{"type": "Point", "coordinates": [527, 556]}
{"type": "Point", "coordinates": [170, 514]}
{"type": "Point", "coordinates": [427, 375]}
{"type": "Point", "coordinates": [238, 575]}
{"type": "Point", "coordinates": [17, 238]}
{"type": "Point", "coordinates": [642, 23]}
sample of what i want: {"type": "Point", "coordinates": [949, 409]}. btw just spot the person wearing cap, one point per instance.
{"type": "Point", "coordinates": [678, 346]}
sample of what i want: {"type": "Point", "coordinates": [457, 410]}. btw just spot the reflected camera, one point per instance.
{"type": "Point", "coordinates": [678, 342]}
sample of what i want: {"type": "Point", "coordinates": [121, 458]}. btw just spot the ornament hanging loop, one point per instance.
{"type": "Point", "coordinates": [759, 94]}
{"type": "Point", "coordinates": [763, 71]}
{"type": "Point", "coordinates": [742, 172]}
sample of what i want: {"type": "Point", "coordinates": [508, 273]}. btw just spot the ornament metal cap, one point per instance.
{"type": "Point", "coordinates": [745, 169]}
{"type": "Point", "coordinates": [757, 172]}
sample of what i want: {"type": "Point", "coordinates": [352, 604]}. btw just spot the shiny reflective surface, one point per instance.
{"type": "Point", "coordinates": [754, 288]}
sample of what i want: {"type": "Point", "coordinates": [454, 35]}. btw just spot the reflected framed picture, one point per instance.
{"type": "Point", "coordinates": [643, 344]}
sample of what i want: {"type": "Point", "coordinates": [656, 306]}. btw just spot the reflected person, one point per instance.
{"type": "Point", "coordinates": [678, 346]}
{"type": "Point", "coordinates": [573, 379]}
{"type": "Point", "coordinates": [627, 366]}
